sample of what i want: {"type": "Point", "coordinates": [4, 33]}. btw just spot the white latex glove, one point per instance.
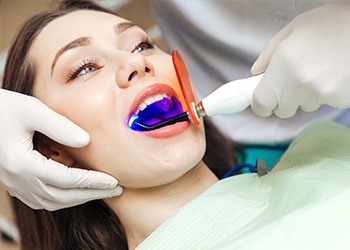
{"type": "Point", "coordinates": [29, 176]}
{"type": "Point", "coordinates": [306, 64]}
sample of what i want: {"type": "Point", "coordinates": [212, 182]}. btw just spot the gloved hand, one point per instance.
{"type": "Point", "coordinates": [306, 64]}
{"type": "Point", "coordinates": [29, 176]}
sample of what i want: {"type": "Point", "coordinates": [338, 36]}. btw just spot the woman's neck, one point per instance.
{"type": "Point", "coordinates": [141, 212]}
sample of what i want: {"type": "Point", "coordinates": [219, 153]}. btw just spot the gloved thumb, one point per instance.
{"type": "Point", "coordinates": [61, 176]}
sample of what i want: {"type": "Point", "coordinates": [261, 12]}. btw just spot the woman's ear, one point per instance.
{"type": "Point", "coordinates": [53, 150]}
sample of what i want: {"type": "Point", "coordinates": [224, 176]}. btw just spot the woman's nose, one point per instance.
{"type": "Point", "coordinates": [133, 67]}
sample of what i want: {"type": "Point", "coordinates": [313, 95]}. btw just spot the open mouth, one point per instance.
{"type": "Point", "coordinates": [154, 110]}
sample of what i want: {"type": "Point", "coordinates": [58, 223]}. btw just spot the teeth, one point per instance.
{"type": "Point", "coordinates": [142, 106]}
{"type": "Point", "coordinates": [150, 100]}
{"type": "Point", "coordinates": [158, 97]}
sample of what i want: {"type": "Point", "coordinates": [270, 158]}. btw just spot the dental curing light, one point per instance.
{"type": "Point", "coordinates": [232, 97]}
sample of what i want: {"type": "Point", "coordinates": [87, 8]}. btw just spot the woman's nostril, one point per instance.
{"type": "Point", "coordinates": [132, 75]}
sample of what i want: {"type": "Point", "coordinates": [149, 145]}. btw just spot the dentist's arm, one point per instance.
{"type": "Point", "coordinates": [29, 176]}
{"type": "Point", "coordinates": [306, 64]}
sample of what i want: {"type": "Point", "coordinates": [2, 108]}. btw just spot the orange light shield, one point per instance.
{"type": "Point", "coordinates": [185, 85]}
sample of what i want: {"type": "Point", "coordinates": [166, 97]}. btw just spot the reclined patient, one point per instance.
{"type": "Point", "coordinates": [99, 70]}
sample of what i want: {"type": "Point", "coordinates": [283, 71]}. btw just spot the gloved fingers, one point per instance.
{"type": "Point", "coordinates": [263, 106]}
{"type": "Point", "coordinates": [261, 64]}
{"type": "Point", "coordinates": [264, 99]}
{"type": "Point", "coordinates": [310, 105]}
{"type": "Point", "coordinates": [55, 126]}
{"type": "Point", "coordinates": [52, 198]}
{"type": "Point", "coordinates": [286, 109]}
{"type": "Point", "coordinates": [52, 181]}
{"type": "Point", "coordinates": [33, 203]}
{"type": "Point", "coordinates": [63, 198]}
{"type": "Point", "coordinates": [61, 176]}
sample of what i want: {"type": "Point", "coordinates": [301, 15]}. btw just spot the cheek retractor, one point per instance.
{"type": "Point", "coordinates": [232, 97]}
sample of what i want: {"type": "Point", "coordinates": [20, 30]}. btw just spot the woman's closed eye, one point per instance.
{"type": "Point", "coordinates": [85, 67]}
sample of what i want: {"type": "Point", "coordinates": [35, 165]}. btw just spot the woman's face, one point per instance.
{"type": "Point", "coordinates": [98, 69]}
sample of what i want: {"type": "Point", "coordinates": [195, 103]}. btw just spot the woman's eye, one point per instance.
{"type": "Point", "coordinates": [84, 69]}
{"type": "Point", "coordinates": [143, 45]}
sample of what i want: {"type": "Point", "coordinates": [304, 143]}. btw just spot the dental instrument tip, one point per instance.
{"type": "Point", "coordinates": [144, 127]}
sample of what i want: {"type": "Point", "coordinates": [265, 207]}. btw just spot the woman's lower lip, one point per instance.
{"type": "Point", "coordinates": [168, 131]}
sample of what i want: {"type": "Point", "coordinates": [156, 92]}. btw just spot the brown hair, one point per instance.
{"type": "Point", "coordinates": [92, 225]}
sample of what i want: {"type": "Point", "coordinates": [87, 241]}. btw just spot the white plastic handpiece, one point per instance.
{"type": "Point", "coordinates": [231, 97]}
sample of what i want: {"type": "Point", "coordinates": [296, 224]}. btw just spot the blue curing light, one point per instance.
{"type": "Point", "coordinates": [131, 120]}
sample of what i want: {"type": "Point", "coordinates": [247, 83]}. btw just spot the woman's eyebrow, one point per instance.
{"type": "Point", "coordinates": [82, 41]}
{"type": "Point", "coordinates": [121, 27]}
{"type": "Point", "coordinates": [85, 41]}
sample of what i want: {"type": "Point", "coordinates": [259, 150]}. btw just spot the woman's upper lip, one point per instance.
{"type": "Point", "coordinates": [158, 88]}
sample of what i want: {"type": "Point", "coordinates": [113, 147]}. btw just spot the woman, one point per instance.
{"type": "Point", "coordinates": [100, 78]}
{"type": "Point", "coordinates": [99, 70]}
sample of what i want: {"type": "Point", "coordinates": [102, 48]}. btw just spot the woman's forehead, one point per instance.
{"type": "Point", "coordinates": [59, 33]}
{"type": "Point", "coordinates": [64, 29]}
{"type": "Point", "coordinates": [78, 23]}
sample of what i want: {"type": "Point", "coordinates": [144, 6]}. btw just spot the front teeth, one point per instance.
{"type": "Point", "coordinates": [150, 100]}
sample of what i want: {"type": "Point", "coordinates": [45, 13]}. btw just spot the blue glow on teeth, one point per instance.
{"type": "Point", "coordinates": [156, 112]}
{"type": "Point", "coordinates": [132, 119]}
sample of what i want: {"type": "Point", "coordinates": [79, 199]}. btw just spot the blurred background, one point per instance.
{"type": "Point", "coordinates": [12, 14]}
